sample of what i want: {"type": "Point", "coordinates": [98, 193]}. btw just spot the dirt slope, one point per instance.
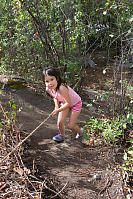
{"type": "Point", "coordinates": [76, 170]}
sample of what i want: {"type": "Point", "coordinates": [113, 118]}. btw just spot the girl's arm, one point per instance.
{"type": "Point", "coordinates": [55, 100]}
{"type": "Point", "coordinates": [64, 93]}
{"type": "Point", "coordinates": [56, 103]}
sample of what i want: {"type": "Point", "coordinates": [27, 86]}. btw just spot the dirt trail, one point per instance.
{"type": "Point", "coordinates": [81, 172]}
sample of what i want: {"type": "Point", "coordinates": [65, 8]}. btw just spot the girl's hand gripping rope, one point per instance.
{"type": "Point", "coordinates": [55, 112]}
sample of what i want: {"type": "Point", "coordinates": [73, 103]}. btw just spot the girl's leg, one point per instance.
{"type": "Point", "coordinates": [72, 122]}
{"type": "Point", "coordinates": [61, 121]}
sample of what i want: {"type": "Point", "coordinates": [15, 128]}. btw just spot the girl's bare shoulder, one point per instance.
{"type": "Point", "coordinates": [63, 88]}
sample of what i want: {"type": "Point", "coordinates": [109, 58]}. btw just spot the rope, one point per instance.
{"type": "Point", "coordinates": [20, 143]}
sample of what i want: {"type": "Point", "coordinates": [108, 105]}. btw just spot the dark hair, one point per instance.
{"type": "Point", "coordinates": [50, 71]}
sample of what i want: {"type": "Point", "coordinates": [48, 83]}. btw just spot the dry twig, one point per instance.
{"type": "Point", "coordinates": [60, 190]}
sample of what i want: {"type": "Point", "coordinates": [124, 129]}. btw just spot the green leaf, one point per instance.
{"type": "Point", "coordinates": [131, 140]}
{"type": "Point", "coordinates": [104, 72]}
{"type": "Point", "coordinates": [31, 108]}
{"type": "Point", "coordinates": [124, 125]}
{"type": "Point", "coordinates": [105, 12]}
{"type": "Point", "coordinates": [111, 35]}
{"type": "Point", "coordinates": [14, 106]}
{"type": "Point", "coordinates": [107, 4]}
{"type": "Point", "coordinates": [130, 152]}
{"type": "Point", "coordinates": [125, 156]}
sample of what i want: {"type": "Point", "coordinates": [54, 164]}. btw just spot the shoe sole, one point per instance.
{"type": "Point", "coordinates": [58, 140]}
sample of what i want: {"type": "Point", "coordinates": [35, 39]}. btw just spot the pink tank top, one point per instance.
{"type": "Point", "coordinates": [75, 98]}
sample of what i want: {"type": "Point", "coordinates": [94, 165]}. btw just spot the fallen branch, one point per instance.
{"type": "Point", "coordinates": [106, 186]}
{"type": "Point", "coordinates": [4, 113]}
{"type": "Point", "coordinates": [20, 143]}
{"type": "Point", "coordinates": [60, 191]}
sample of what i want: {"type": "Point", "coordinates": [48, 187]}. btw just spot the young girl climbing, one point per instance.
{"type": "Point", "coordinates": [66, 100]}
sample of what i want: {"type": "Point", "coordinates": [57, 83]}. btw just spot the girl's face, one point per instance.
{"type": "Point", "coordinates": [51, 82]}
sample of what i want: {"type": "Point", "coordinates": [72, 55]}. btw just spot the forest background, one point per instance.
{"type": "Point", "coordinates": [69, 35]}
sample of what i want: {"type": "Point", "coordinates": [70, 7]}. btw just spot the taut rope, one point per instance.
{"type": "Point", "coordinates": [20, 143]}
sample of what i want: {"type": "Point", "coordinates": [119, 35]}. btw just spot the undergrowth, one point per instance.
{"type": "Point", "coordinates": [118, 131]}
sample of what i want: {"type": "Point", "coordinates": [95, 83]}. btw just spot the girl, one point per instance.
{"type": "Point", "coordinates": [65, 99]}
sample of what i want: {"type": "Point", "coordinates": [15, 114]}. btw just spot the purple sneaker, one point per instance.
{"type": "Point", "coordinates": [59, 138]}
{"type": "Point", "coordinates": [80, 137]}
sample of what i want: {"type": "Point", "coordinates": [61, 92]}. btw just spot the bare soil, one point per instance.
{"type": "Point", "coordinates": [78, 170]}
